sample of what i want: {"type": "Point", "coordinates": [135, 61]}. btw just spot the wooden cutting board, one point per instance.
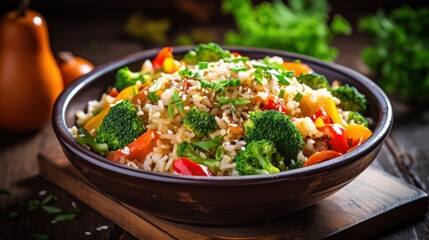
{"type": "Point", "coordinates": [373, 202]}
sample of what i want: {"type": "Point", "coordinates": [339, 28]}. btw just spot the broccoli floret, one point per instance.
{"type": "Point", "coordinates": [295, 164]}
{"type": "Point", "coordinates": [313, 80]}
{"type": "Point", "coordinates": [355, 117]}
{"type": "Point", "coordinates": [259, 157]}
{"type": "Point", "coordinates": [185, 149]}
{"type": "Point", "coordinates": [276, 127]}
{"type": "Point", "coordinates": [206, 52]}
{"type": "Point", "coordinates": [120, 126]}
{"type": "Point", "coordinates": [85, 138]}
{"type": "Point", "coordinates": [351, 98]}
{"type": "Point", "coordinates": [125, 77]}
{"type": "Point", "coordinates": [199, 122]}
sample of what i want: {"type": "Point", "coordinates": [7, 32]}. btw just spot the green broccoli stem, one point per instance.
{"type": "Point", "coordinates": [265, 163]}
{"type": "Point", "coordinates": [87, 139]}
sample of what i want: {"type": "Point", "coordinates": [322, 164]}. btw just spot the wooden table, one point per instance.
{"type": "Point", "coordinates": [405, 154]}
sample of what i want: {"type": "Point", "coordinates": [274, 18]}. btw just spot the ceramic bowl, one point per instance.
{"type": "Point", "coordinates": [219, 201]}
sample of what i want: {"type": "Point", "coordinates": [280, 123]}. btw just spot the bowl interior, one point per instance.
{"type": "Point", "coordinates": [94, 84]}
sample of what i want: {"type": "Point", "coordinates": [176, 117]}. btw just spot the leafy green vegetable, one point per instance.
{"type": "Point", "coordinates": [399, 56]}
{"type": "Point", "coordinates": [301, 26]}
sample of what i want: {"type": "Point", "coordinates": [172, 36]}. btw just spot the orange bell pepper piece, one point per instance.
{"type": "Point", "coordinates": [95, 122]}
{"type": "Point", "coordinates": [321, 157]}
{"type": "Point", "coordinates": [298, 67]}
{"type": "Point", "coordinates": [137, 149]}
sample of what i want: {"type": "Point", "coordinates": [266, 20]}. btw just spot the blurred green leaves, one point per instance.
{"type": "Point", "coordinates": [399, 56]}
{"type": "Point", "coordinates": [301, 26]}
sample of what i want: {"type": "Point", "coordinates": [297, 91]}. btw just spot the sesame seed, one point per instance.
{"type": "Point", "coordinates": [43, 192]}
{"type": "Point", "coordinates": [87, 233]}
{"type": "Point", "coordinates": [102, 228]}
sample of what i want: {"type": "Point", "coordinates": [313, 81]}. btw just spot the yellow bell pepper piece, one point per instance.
{"type": "Point", "coordinates": [356, 131]}
{"type": "Point", "coordinates": [169, 65]}
{"type": "Point", "coordinates": [126, 93]}
{"type": "Point", "coordinates": [332, 112]}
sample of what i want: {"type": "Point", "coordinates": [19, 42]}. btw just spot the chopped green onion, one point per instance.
{"type": "Point", "coordinates": [177, 101]}
{"type": "Point", "coordinates": [170, 111]}
{"type": "Point", "coordinates": [236, 60]}
{"type": "Point", "coordinates": [219, 153]}
{"type": "Point", "coordinates": [261, 66]}
{"type": "Point", "coordinates": [64, 217]}
{"type": "Point", "coordinates": [234, 101]}
{"type": "Point", "coordinates": [186, 72]}
{"type": "Point", "coordinates": [281, 93]}
{"type": "Point", "coordinates": [210, 144]}
{"type": "Point", "coordinates": [51, 210]}
{"type": "Point", "coordinates": [153, 97]}
{"type": "Point", "coordinates": [298, 97]}
{"type": "Point", "coordinates": [203, 65]}
{"type": "Point", "coordinates": [239, 68]}
{"type": "Point", "coordinates": [280, 77]}
{"type": "Point", "coordinates": [258, 76]}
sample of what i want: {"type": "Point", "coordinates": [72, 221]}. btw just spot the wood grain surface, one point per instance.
{"type": "Point", "coordinates": [359, 210]}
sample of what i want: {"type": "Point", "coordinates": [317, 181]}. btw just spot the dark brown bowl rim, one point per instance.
{"type": "Point", "coordinates": [380, 132]}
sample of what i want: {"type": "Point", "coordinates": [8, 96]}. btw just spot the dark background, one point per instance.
{"type": "Point", "coordinates": [69, 21]}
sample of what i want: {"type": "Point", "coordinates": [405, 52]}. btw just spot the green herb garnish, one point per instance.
{"type": "Point", "coordinates": [203, 65]}
{"type": "Point", "coordinates": [51, 210]}
{"type": "Point", "coordinates": [281, 93]}
{"type": "Point", "coordinates": [298, 97]}
{"type": "Point", "coordinates": [178, 102]}
{"type": "Point", "coordinates": [210, 144]}
{"type": "Point", "coordinates": [219, 153]}
{"type": "Point", "coordinates": [40, 236]}
{"type": "Point", "coordinates": [65, 217]}
{"type": "Point", "coordinates": [239, 69]}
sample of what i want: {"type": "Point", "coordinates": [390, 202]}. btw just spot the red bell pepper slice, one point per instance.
{"type": "Point", "coordinates": [184, 166]}
{"type": "Point", "coordinates": [271, 104]}
{"type": "Point", "coordinates": [338, 139]}
{"type": "Point", "coordinates": [321, 113]}
{"type": "Point", "coordinates": [164, 53]}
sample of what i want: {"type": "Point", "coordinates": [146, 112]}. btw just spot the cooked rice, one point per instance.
{"type": "Point", "coordinates": [171, 132]}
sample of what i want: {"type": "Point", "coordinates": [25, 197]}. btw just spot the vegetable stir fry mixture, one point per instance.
{"type": "Point", "coordinates": [218, 113]}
